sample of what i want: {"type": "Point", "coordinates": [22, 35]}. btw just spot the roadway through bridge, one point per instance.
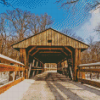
{"type": "Point", "coordinates": [55, 86]}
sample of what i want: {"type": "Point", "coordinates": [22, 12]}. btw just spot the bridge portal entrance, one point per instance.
{"type": "Point", "coordinates": [51, 46]}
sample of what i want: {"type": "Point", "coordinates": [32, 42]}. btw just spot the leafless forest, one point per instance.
{"type": "Point", "coordinates": [16, 25]}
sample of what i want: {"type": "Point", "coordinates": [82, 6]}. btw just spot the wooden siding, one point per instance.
{"type": "Point", "coordinates": [57, 38]}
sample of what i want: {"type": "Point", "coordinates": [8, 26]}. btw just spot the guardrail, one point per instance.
{"type": "Point", "coordinates": [89, 74]}
{"type": "Point", "coordinates": [14, 73]}
{"type": "Point", "coordinates": [50, 69]}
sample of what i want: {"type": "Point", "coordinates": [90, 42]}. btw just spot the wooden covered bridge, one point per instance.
{"type": "Point", "coordinates": [51, 46]}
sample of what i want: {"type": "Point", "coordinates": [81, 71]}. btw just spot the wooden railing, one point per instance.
{"type": "Point", "coordinates": [50, 69]}
{"type": "Point", "coordinates": [89, 74]}
{"type": "Point", "coordinates": [15, 73]}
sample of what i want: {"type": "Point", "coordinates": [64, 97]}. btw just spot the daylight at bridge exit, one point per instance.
{"type": "Point", "coordinates": [50, 50]}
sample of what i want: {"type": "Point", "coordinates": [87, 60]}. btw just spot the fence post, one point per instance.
{"type": "Point", "coordinates": [78, 72]}
{"type": "Point", "coordinates": [14, 76]}
{"type": "Point", "coordinates": [83, 74]}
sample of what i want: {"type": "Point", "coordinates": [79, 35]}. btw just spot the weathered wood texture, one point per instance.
{"type": "Point", "coordinates": [7, 86]}
{"type": "Point", "coordinates": [76, 62]}
{"type": "Point", "coordinates": [44, 38]}
{"type": "Point", "coordinates": [49, 69]}
{"type": "Point", "coordinates": [5, 67]}
{"type": "Point", "coordinates": [13, 71]}
{"type": "Point", "coordinates": [24, 58]}
{"type": "Point", "coordinates": [89, 70]}
{"type": "Point", "coordinates": [93, 83]}
{"type": "Point", "coordinates": [37, 69]}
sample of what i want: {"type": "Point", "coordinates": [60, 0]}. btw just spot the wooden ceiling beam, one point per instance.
{"type": "Point", "coordinates": [49, 52]}
{"type": "Point", "coordinates": [68, 50]}
{"type": "Point", "coordinates": [61, 49]}
{"type": "Point", "coordinates": [65, 53]}
{"type": "Point", "coordinates": [49, 49]}
{"type": "Point", "coordinates": [35, 53]}
{"type": "Point", "coordinates": [38, 60]}
{"type": "Point", "coordinates": [31, 49]}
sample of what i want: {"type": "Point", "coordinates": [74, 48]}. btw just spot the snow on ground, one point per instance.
{"type": "Point", "coordinates": [16, 92]}
{"type": "Point", "coordinates": [51, 86]}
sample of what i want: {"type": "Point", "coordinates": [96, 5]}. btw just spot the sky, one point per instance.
{"type": "Point", "coordinates": [81, 22]}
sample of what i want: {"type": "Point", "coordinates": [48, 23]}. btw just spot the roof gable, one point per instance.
{"type": "Point", "coordinates": [43, 39]}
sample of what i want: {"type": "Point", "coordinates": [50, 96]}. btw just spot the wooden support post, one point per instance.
{"type": "Point", "coordinates": [76, 62]}
{"type": "Point", "coordinates": [33, 62]}
{"type": "Point", "coordinates": [24, 59]}
{"type": "Point", "coordinates": [37, 64]}
{"type": "Point", "coordinates": [14, 76]}
{"type": "Point", "coordinates": [22, 74]}
{"type": "Point", "coordinates": [83, 74]}
{"type": "Point", "coordinates": [57, 67]}
{"type": "Point", "coordinates": [19, 73]}
{"type": "Point", "coordinates": [43, 66]}
{"type": "Point", "coordinates": [40, 64]}
{"type": "Point", "coordinates": [97, 75]}
{"type": "Point", "coordinates": [29, 71]}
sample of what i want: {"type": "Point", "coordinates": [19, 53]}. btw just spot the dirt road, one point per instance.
{"type": "Point", "coordinates": [54, 86]}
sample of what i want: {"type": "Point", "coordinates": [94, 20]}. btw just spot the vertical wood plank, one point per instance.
{"type": "Point", "coordinates": [53, 38]}
{"type": "Point", "coordinates": [56, 39]}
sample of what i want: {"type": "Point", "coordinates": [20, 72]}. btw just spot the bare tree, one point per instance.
{"type": "Point", "coordinates": [20, 21]}
{"type": "Point", "coordinates": [16, 25]}
{"type": "Point", "coordinates": [90, 40]}
{"type": "Point", "coordinates": [69, 32]}
{"type": "Point", "coordinates": [2, 33]}
{"type": "Point", "coordinates": [97, 29]}
{"type": "Point", "coordinates": [34, 23]}
{"type": "Point", "coordinates": [45, 21]}
{"type": "Point", "coordinates": [24, 22]}
{"type": "Point", "coordinates": [72, 4]}
{"type": "Point", "coordinates": [92, 54]}
{"type": "Point", "coordinates": [40, 23]}
{"type": "Point", "coordinates": [4, 2]}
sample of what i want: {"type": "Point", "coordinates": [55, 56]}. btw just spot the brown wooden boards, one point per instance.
{"type": "Point", "coordinates": [5, 67]}
{"type": "Point", "coordinates": [50, 37]}
{"type": "Point", "coordinates": [90, 82]}
{"type": "Point", "coordinates": [76, 60]}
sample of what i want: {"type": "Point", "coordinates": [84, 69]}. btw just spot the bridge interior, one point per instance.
{"type": "Point", "coordinates": [49, 54]}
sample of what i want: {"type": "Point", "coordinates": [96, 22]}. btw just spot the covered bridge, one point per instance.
{"type": "Point", "coordinates": [51, 46]}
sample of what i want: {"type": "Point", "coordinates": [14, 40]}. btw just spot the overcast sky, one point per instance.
{"type": "Point", "coordinates": [82, 23]}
